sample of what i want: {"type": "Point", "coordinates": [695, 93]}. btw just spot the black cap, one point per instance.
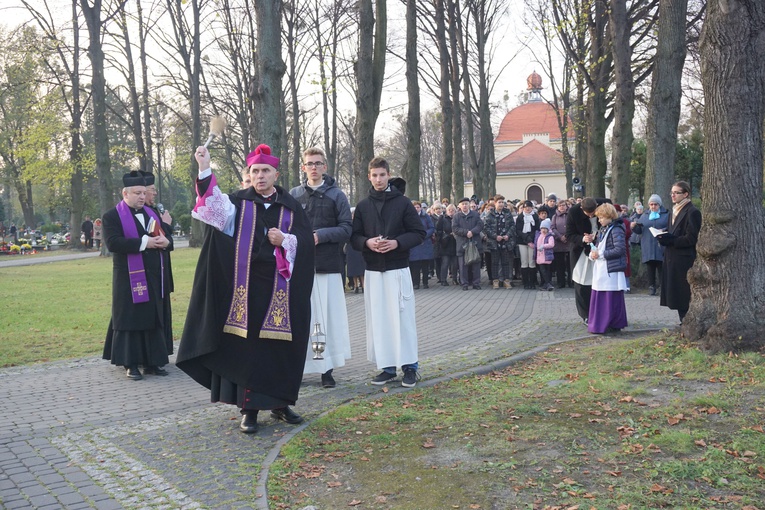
{"type": "Point", "coordinates": [134, 178]}
{"type": "Point", "coordinates": [464, 199]}
{"type": "Point", "coordinates": [148, 177]}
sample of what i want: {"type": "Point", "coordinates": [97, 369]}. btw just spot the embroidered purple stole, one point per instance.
{"type": "Point", "coordinates": [276, 324]}
{"type": "Point", "coordinates": [138, 284]}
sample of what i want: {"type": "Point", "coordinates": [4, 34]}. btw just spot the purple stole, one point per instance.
{"type": "Point", "coordinates": [138, 284]}
{"type": "Point", "coordinates": [276, 325]}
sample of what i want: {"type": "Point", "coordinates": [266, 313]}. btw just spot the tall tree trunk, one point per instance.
{"type": "Point", "coordinates": [75, 125]}
{"type": "Point", "coordinates": [370, 68]}
{"type": "Point", "coordinates": [189, 48]}
{"type": "Point", "coordinates": [666, 94]}
{"type": "Point", "coordinates": [92, 15]}
{"type": "Point", "coordinates": [269, 70]}
{"type": "Point", "coordinates": [135, 105]}
{"type": "Point", "coordinates": [411, 170]}
{"type": "Point", "coordinates": [447, 106]}
{"type": "Point", "coordinates": [291, 19]}
{"type": "Point", "coordinates": [597, 104]}
{"type": "Point", "coordinates": [624, 101]}
{"type": "Point", "coordinates": [455, 37]}
{"type": "Point", "coordinates": [727, 310]}
{"type": "Point", "coordinates": [142, 34]}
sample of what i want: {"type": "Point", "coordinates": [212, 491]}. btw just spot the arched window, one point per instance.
{"type": "Point", "coordinates": [534, 193]}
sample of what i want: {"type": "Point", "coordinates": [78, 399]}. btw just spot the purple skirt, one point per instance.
{"type": "Point", "coordinates": [607, 310]}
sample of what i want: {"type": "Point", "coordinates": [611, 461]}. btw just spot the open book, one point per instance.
{"type": "Point", "coordinates": [657, 231]}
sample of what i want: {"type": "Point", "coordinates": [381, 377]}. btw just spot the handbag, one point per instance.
{"type": "Point", "coordinates": [583, 270]}
{"type": "Point", "coordinates": [472, 256]}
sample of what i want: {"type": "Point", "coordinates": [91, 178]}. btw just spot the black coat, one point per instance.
{"type": "Point", "coordinates": [447, 241]}
{"type": "Point", "coordinates": [328, 211]}
{"type": "Point", "coordinates": [577, 225]}
{"type": "Point", "coordinates": [528, 237]}
{"type": "Point", "coordinates": [679, 256]}
{"type": "Point", "coordinates": [389, 214]}
{"type": "Point", "coordinates": [127, 316]}
{"type": "Point", "coordinates": [271, 369]}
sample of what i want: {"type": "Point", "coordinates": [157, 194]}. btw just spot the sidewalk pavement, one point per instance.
{"type": "Point", "coordinates": [31, 260]}
{"type": "Point", "coordinates": [78, 434]}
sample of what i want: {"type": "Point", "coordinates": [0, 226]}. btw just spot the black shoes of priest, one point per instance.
{"type": "Point", "coordinates": [155, 370]}
{"type": "Point", "coordinates": [286, 415]}
{"type": "Point", "coordinates": [133, 373]}
{"type": "Point", "coordinates": [249, 423]}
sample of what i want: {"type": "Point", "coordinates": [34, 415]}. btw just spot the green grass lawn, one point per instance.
{"type": "Point", "coordinates": [625, 425]}
{"type": "Point", "coordinates": [61, 310]}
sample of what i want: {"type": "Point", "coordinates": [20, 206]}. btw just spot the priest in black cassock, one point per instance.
{"type": "Point", "coordinates": [248, 323]}
{"type": "Point", "coordinates": [140, 282]}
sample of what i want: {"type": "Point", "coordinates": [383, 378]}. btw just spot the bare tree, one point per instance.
{"type": "Point", "coordinates": [266, 92]}
{"type": "Point", "coordinates": [624, 100]}
{"type": "Point", "coordinates": [370, 70]}
{"type": "Point", "coordinates": [183, 47]}
{"type": "Point", "coordinates": [295, 30]}
{"type": "Point", "coordinates": [67, 58]}
{"type": "Point", "coordinates": [666, 94]}
{"type": "Point", "coordinates": [560, 88]}
{"type": "Point", "coordinates": [728, 278]}
{"type": "Point", "coordinates": [411, 169]}
{"type": "Point", "coordinates": [95, 24]}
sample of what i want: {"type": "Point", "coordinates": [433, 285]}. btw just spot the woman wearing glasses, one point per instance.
{"type": "Point", "coordinates": [679, 249]}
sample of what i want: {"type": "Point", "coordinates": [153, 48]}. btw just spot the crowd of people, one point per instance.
{"type": "Point", "coordinates": [248, 334]}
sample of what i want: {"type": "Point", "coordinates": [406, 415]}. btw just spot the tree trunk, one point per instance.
{"type": "Point", "coordinates": [455, 38]}
{"type": "Point", "coordinates": [447, 106]}
{"type": "Point", "coordinates": [624, 102]}
{"type": "Point", "coordinates": [75, 125]}
{"type": "Point", "coordinates": [142, 34]}
{"type": "Point", "coordinates": [291, 19]}
{"type": "Point", "coordinates": [666, 94]}
{"type": "Point", "coordinates": [135, 105]}
{"type": "Point", "coordinates": [727, 310]}
{"type": "Point", "coordinates": [94, 22]}
{"type": "Point", "coordinates": [597, 104]}
{"type": "Point", "coordinates": [370, 68]}
{"type": "Point", "coordinates": [411, 171]}
{"type": "Point", "coordinates": [269, 70]}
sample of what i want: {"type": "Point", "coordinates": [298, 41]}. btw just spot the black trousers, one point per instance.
{"type": "Point", "coordinates": [653, 266]}
{"type": "Point", "coordinates": [562, 267]}
{"type": "Point", "coordinates": [419, 268]}
{"type": "Point", "coordinates": [582, 295]}
{"type": "Point", "coordinates": [545, 270]}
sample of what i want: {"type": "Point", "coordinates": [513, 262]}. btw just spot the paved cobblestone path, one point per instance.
{"type": "Point", "coordinates": [78, 434]}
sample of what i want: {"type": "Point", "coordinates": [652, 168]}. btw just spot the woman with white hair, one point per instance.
{"type": "Point", "coordinates": [652, 254]}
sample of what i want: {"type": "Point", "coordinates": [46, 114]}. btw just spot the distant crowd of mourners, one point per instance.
{"type": "Point", "coordinates": [555, 244]}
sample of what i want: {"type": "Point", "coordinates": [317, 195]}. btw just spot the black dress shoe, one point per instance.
{"type": "Point", "coordinates": [327, 381]}
{"type": "Point", "coordinates": [249, 423]}
{"type": "Point", "coordinates": [133, 373]}
{"type": "Point", "coordinates": [155, 370]}
{"type": "Point", "coordinates": [286, 415]}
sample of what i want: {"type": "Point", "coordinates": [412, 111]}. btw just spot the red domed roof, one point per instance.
{"type": "Point", "coordinates": [536, 117]}
{"type": "Point", "coordinates": [534, 81]}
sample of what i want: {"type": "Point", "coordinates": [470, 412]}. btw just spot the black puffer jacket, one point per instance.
{"type": "Point", "coordinates": [389, 214]}
{"type": "Point", "coordinates": [328, 211]}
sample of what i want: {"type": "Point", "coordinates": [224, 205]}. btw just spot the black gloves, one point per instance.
{"type": "Point", "coordinates": [666, 239]}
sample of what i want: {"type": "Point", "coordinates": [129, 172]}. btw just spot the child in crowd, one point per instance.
{"type": "Point", "coordinates": [545, 242]}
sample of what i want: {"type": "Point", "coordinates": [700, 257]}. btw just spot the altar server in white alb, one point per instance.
{"type": "Point", "coordinates": [330, 216]}
{"type": "Point", "coordinates": [385, 227]}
